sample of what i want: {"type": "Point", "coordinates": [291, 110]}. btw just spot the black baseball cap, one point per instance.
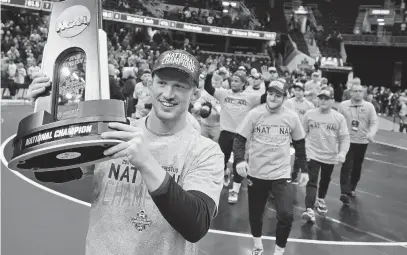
{"type": "Point", "coordinates": [179, 60]}
{"type": "Point", "coordinates": [278, 86]}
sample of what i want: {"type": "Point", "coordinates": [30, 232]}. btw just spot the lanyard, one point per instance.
{"type": "Point", "coordinates": [357, 111]}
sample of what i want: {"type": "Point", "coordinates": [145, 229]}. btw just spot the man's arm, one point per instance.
{"type": "Point", "coordinates": [198, 103]}
{"type": "Point", "coordinates": [263, 97]}
{"type": "Point", "coordinates": [239, 142]}
{"type": "Point", "coordinates": [344, 137]}
{"type": "Point", "coordinates": [373, 121]}
{"type": "Point", "coordinates": [298, 136]}
{"type": "Point", "coordinates": [305, 124]}
{"type": "Point", "coordinates": [190, 209]}
{"type": "Point", "coordinates": [208, 84]}
{"type": "Point", "coordinates": [239, 148]}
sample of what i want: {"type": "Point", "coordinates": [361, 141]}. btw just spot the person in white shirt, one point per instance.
{"type": "Point", "coordinates": [314, 86]}
{"type": "Point", "coordinates": [257, 85]}
{"type": "Point", "coordinates": [235, 105]}
{"type": "Point", "coordinates": [327, 142]}
{"type": "Point", "coordinates": [363, 123]}
{"type": "Point", "coordinates": [20, 74]}
{"type": "Point", "coordinates": [142, 94]}
{"type": "Point", "coordinates": [32, 70]}
{"type": "Point", "coordinates": [11, 77]}
{"type": "Point", "coordinates": [300, 105]}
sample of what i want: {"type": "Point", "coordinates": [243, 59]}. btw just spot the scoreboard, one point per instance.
{"type": "Point", "coordinates": [32, 4]}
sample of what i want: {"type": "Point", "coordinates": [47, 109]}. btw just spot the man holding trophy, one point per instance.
{"type": "Point", "coordinates": [158, 188]}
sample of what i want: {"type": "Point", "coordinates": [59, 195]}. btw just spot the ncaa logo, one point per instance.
{"type": "Point", "coordinates": [72, 21]}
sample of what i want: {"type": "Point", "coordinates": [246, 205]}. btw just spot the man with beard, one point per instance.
{"type": "Point", "coordinates": [327, 142]}
{"type": "Point", "coordinates": [301, 106]}
{"type": "Point", "coordinates": [270, 127]}
{"type": "Point", "coordinates": [362, 124]}
{"type": "Point", "coordinates": [235, 104]}
{"type": "Point", "coordinates": [160, 188]}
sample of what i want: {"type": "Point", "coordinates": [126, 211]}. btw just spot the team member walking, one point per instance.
{"type": "Point", "coordinates": [271, 127]}
{"type": "Point", "coordinates": [235, 104]}
{"type": "Point", "coordinates": [160, 189]}
{"type": "Point", "coordinates": [313, 86]}
{"type": "Point", "coordinates": [362, 121]}
{"type": "Point", "coordinates": [301, 106]}
{"type": "Point", "coordinates": [327, 142]}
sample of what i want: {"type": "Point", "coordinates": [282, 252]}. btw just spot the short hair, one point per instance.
{"type": "Point", "coordinates": [356, 81]}
{"type": "Point", "coordinates": [242, 76]}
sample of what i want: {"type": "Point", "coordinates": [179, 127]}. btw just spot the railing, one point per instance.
{"type": "Point", "coordinates": [400, 41]}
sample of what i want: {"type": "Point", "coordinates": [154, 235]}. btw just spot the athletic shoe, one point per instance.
{"type": "Point", "coordinates": [308, 215]}
{"type": "Point", "coordinates": [352, 194]}
{"type": "Point", "coordinates": [226, 179]}
{"type": "Point", "coordinates": [233, 196]}
{"type": "Point", "coordinates": [278, 251]}
{"type": "Point", "coordinates": [345, 199]}
{"type": "Point", "coordinates": [257, 251]}
{"type": "Point", "coordinates": [321, 206]}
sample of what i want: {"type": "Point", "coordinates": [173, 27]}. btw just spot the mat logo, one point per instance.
{"type": "Point", "coordinates": [141, 221]}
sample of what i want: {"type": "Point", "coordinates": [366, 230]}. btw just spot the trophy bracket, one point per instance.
{"type": "Point", "coordinates": [65, 129]}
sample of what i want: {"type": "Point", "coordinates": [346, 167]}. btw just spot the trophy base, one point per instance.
{"type": "Point", "coordinates": [65, 154]}
{"type": "Point", "coordinates": [42, 144]}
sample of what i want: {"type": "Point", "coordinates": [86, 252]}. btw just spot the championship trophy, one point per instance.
{"type": "Point", "coordinates": [64, 130]}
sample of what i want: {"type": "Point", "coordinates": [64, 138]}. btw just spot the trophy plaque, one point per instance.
{"type": "Point", "coordinates": [64, 130]}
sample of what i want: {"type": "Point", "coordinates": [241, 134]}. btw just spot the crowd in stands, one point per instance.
{"type": "Point", "coordinates": [208, 12]}
{"type": "Point", "coordinates": [132, 53]}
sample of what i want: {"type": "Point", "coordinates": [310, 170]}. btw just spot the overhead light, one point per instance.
{"type": "Point", "coordinates": [227, 4]}
{"type": "Point", "coordinates": [380, 20]}
{"type": "Point", "coordinates": [381, 12]}
{"type": "Point", "coordinates": [225, 11]}
{"type": "Point", "coordinates": [381, 24]}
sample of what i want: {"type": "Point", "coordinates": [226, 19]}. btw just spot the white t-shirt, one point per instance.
{"type": "Point", "coordinates": [235, 107]}
{"type": "Point", "coordinates": [301, 107]}
{"type": "Point", "coordinates": [260, 91]}
{"type": "Point", "coordinates": [326, 135]}
{"type": "Point", "coordinates": [119, 194]}
{"type": "Point", "coordinates": [270, 135]}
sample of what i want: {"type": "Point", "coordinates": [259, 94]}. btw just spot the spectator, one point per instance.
{"type": "Point", "coordinates": [33, 68]}
{"type": "Point", "coordinates": [21, 73]}
{"type": "Point", "coordinates": [371, 99]}
{"type": "Point", "coordinates": [13, 54]}
{"type": "Point", "coordinates": [11, 77]}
